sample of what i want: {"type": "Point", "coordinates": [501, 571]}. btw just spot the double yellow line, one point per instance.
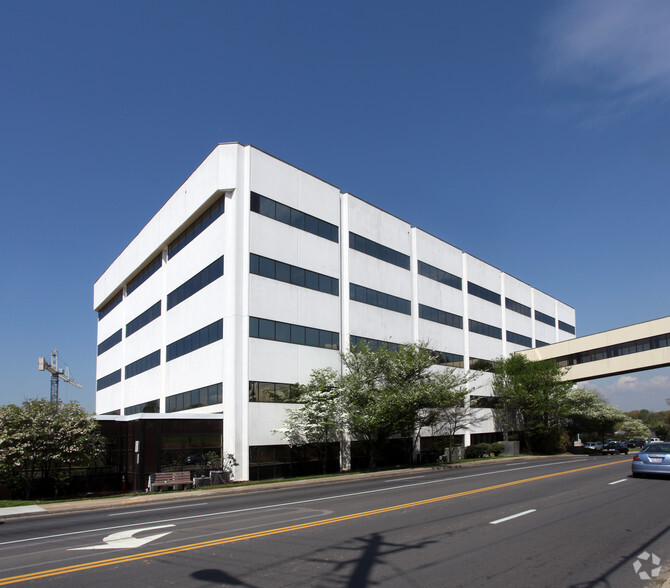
{"type": "Point", "coordinates": [277, 531]}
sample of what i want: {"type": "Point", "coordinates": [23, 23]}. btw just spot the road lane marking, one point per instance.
{"type": "Point", "coordinates": [280, 530]}
{"type": "Point", "coordinates": [403, 479]}
{"type": "Point", "coordinates": [126, 539]}
{"type": "Point", "coordinates": [514, 516]}
{"type": "Point", "coordinates": [617, 482]}
{"type": "Point", "coordinates": [132, 512]}
{"type": "Point", "coordinates": [285, 504]}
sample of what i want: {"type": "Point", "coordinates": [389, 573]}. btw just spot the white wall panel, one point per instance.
{"type": "Point", "coordinates": [199, 368]}
{"type": "Point", "coordinates": [282, 242]}
{"type": "Point", "coordinates": [483, 347]}
{"type": "Point", "coordinates": [142, 387]}
{"type": "Point", "coordinates": [440, 337]}
{"type": "Point", "coordinates": [295, 188]}
{"type": "Point", "coordinates": [279, 301]}
{"type": "Point", "coordinates": [272, 361]}
{"type": "Point", "coordinates": [264, 417]}
{"type": "Point", "coordinates": [376, 323]}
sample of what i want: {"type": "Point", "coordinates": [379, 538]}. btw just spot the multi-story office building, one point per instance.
{"type": "Point", "coordinates": [254, 273]}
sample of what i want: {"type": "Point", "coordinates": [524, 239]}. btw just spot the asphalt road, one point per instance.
{"type": "Point", "coordinates": [577, 521]}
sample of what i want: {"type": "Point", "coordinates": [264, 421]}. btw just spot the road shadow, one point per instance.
{"type": "Point", "coordinates": [604, 580]}
{"type": "Point", "coordinates": [218, 577]}
{"type": "Point", "coordinates": [369, 551]}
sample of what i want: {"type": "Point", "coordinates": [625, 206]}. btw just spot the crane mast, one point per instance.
{"type": "Point", "coordinates": [56, 374]}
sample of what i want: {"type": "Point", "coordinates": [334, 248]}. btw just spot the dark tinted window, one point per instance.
{"type": "Point", "coordinates": [196, 340]}
{"type": "Point", "coordinates": [295, 218]}
{"type": "Point", "coordinates": [197, 227]}
{"type": "Point", "coordinates": [153, 266]}
{"type": "Point", "coordinates": [144, 364]}
{"type": "Point", "coordinates": [517, 307]}
{"type": "Point", "coordinates": [545, 318]}
{"type": "Point", "coordinates": [440, 316]}
{"type": "Point", "coordinates": [109, 380]}
{"type": "Point", "coordinates": [483, 293]}
{"type": "Point", "coordinates": [378, 251]}
{"type": "Point", "coordinates": [439, 275]}
{"type": "Point", "coordinates": [111, 305]}
{"type": "Point", "coordinates": [143, 319]}
{"type": "Point", "coordinates": [484, 329]}
{"type": "Point", "coordinates": [297, 334]}
{"type": "Point", "coordinates": [109, 342]}
{"type": "Point", "coordinates": [379, 299]}
{"type": "Point", "coordinates": [202, 279]}
{"type": "Point", "coordinates": [277, 270]}
{"type": "Point", "coordinates": [519, 339]}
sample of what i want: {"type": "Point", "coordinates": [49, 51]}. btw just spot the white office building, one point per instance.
{"type": "Point", "coordinates": [254, 273]}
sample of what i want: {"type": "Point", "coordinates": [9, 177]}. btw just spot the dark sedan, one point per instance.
{"type": "Point", "coordinates": [652, 459]}
{"type": "Point", "coordinates": [615, 448]}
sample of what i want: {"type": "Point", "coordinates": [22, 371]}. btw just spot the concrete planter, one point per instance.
{"type": "Point", "coordinates": [511, 449]}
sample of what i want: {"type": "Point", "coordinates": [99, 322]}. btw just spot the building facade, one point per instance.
{"type": "Point", "coordinates": [254, 273]}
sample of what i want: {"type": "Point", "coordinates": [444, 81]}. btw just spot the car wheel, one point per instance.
{"type": "Point", "coordinates": [637, 475]}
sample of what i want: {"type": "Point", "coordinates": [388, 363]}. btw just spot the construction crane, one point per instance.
{"type": "Point", "coordinates": [56, 374]}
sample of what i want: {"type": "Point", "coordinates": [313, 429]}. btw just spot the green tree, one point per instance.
{"type": "Point", "coordinates": [398, 393]}
{"type": "Point", "coordinates": [42, 439]}
{"type": "Point", "coordinates": [532, 396]}
{"type": "Point", "coordinates": [645, 416]}
{"type": "Point", "coordinates": [385, 392]}
{"type": "Point", "coordinates": [321, 418]}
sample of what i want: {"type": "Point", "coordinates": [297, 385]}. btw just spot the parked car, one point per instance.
{"type": "Point", "coordinates": [196, 459]}
{"type": "Point", "coordinates": [653, 458]}
{"type": "Point", "coordinates": [593, 446]}
{"type": "Point", "coordinates": [615, 448]}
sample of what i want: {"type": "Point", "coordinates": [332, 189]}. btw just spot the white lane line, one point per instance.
{"type": "Point", "coordinates": [403, 479]}
{"type": "Point", "coordinates": [617, 482]}
{"type": "Point", "coordinates": [514, 516]}
{"type": "Point", "coordinates": [286, 504]}
{"type": "Point", "coordinates": [123, 514]}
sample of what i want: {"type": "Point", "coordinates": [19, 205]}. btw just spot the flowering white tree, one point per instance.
{"type": "Point", "coordinates": [452, 412]}
{"type": "Point", "coordinates": [633, 428]}
{"type": "Point", "coordinates": [42, 439]}
{"type": "Point", "coordinates": [321, 418]}
{"type": "Point", "coordinates": [587, 411]}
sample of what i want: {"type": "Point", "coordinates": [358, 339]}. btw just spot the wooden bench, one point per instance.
{"type": "Point", "coordinates": [173, 479]}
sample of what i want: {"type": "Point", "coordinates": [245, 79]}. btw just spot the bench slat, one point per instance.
{"type": "Point", "coordinates": [171, 479]}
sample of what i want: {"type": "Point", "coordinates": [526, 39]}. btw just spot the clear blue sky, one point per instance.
{"type": "Point", "coordinates": [534, 135]}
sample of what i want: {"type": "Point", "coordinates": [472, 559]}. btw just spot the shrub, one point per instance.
{"type": "Point", "coordinates": [477, 451]}
{"type": "Point", "coordinates": [497, 448]}
{"type": "Point", "coordinates": [486, 449]}
{"type": "Point", "coordinates": [471, 452]}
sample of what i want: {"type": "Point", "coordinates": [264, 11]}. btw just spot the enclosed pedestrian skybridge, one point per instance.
{"type": "Point", "coordinates": [644, 346]}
